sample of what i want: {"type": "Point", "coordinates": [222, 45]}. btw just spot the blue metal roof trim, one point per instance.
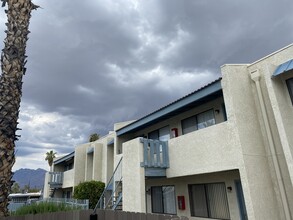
{"type": "Point", "coordinates": [188, 99]}
{"type": "Point", "coordinates": [111, 142]}
{"type": "Point", "coordinates": [65, 158]}
{"type": "Point", "coordinates": [284, 67]}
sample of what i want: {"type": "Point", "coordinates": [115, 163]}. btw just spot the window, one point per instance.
{"type": "Point", "coordinates": [205, 119]}
{"type": "Point", "coordinates": [209, 200]}
{"type": "Point", "coordinates": [199, 121]}
{"type": "Point", "coordinates": [290, 88]}
{"type": "Point", "coordinates": [188, 125]}
{"type": "Point", "coordinates": [162, 134]}
{"type": "Point", "coordinates": [163, 199]}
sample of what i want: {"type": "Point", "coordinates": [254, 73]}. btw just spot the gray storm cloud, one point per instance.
{"type": "Point", "coordinates": [94, 63]}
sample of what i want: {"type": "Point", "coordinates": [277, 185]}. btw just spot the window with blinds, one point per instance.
{"type": "Point", "coordinates": [209, 201]}
{"type": "Point", "coordinates": [163, 199]}
{"type": "Point", "coordinates": [199, 121]}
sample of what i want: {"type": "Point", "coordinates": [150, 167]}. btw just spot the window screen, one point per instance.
{"type": "Point", "coordinates": [205, 119]}
{"type": "Point", "coordinates": [209, 200]}
{"type": "Point", "coordinates": [162, 134]}
{"type": "Point", "coordinates": [163, 199]}
{"type": "Point", "coordinates": [188, 125]}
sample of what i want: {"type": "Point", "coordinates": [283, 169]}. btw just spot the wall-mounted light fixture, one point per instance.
{"type": "Point", "coordinates": [229, 189]}
{"type": "Point", "coordinates": [217, 111]}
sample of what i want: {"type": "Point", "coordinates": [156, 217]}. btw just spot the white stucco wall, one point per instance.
{"type": "Point", "coordinates": [133, 177]}
{"type": "Point", "coordinates": [68, 178]}
{"type": "Point", "coordinates": [181, 189]}
{"type": "Point", "coordinates": [207, 150]}
{"type": "Point", "coordinates": [79, 164]}
{"type": "Point", "coordinates": [242, 114]}
{"type": "Point", "coordinates": [46, 186]}
{"type": "Point", "coordinates": [244, 110]}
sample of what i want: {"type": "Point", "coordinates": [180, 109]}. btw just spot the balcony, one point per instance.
{"type": "Point", "coordinates": [61, 179]}
{"type": "Point", "coordinates": [55, 179]}
{"type": "Point", "coordinates": [68, 178]}
{"type": "Point", "coordinates": [212, 149]}
{"type": "Point", "coordinates": [155, 157]}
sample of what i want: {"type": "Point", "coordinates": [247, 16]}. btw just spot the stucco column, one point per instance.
{"type": "Point", "coordinates": [133, 177]}
{"type": "Point", "coordinates": [46, 186]}
{"type": "Point", "coordinates": [255, 76]}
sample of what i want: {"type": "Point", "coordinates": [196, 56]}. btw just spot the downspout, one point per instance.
{"type": "Point", "coordinates": [255, 76]}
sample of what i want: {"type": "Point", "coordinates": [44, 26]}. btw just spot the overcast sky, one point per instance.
{"type": "Point", "coordinates": [92, 63]}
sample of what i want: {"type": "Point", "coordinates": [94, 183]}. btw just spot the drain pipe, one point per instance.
{"type": "Point", "coordinates": [255, 76]}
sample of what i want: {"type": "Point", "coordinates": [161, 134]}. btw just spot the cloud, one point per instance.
{"type": "Point", "coordinates": [94, 63]}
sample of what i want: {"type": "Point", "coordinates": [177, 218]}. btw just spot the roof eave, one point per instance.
{"type": "Point", "coordinates": [198, 95]}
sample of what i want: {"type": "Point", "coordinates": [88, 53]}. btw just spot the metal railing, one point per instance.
{"type": "Point", "coordinates": [76, 203]}
{"type": "Point", "coordinates": [112, 194]}
{"type": "Point", "coordinates": [56, 179]}
{"type": "Point", "coordinates": [155, 153]}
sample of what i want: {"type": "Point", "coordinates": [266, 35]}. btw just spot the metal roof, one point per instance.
{"type": "Point", "coordinates": [65, 158]}
{"type": "Point", "coordinates": [204, 94]}
{"type": "Point", "coordinates": [284, 67]}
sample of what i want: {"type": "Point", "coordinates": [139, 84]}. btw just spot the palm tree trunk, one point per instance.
{"type": "Point", "coordinates": [13, 61]}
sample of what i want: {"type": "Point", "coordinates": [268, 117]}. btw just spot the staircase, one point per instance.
{"type": "Point", "coordinates": [111, 197]}
{"type": "Point", "coordinates": [52, 192]}
{"type": "Point", "coordinates": [55, 182]}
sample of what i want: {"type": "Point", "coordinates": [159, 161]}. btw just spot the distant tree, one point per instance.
{"type": "Point", "coordinates": [50, 155]}
{"type": "Point", "coordinates": [26, 188]}
{"type": "Point", "coordinates": [93, 137]}
{"type": "Point", "coordinates": [91, 190]}
{"type": "Point", "coordinates": [15, 188]}
{"type": "Point", "coordinates": [34, 190]}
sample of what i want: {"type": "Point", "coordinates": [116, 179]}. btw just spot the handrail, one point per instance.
{"type": "Point", "coordinates": [103, 194]}
{"type": "Point", "coordinates": [113, 193]}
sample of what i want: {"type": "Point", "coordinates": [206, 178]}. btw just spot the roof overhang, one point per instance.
{"type": "Point", "coordinates": [196, 98]}
{"type": "Point", "coordinates": [283, 68]}
{"type": "Point", "coordinates": [65, 158]}
{"type": "Point", "coordinates": [110, 142]}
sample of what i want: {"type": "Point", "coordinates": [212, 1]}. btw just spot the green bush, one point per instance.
{"type": "Point", "coordinates": [91, 190]}
{"type": "Point", "coordinates": [43, 207]}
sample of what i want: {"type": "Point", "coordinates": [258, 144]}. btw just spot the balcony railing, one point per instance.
{"type": "Point", "coordinates": [155, 157]}
{"type": "Point", "coordinates": [56, 179]}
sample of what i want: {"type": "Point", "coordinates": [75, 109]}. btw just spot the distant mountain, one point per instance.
{"type": "Point", "coordinates": [34, 178]}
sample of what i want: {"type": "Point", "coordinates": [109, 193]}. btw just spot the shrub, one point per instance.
{"type": "Point", "coordinates": [43, 207]}
{"type": "Point", "coordinates": [91, 190]}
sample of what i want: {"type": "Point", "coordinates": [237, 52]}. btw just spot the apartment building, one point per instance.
{"type": "Point", "coordinates": [224, 151]}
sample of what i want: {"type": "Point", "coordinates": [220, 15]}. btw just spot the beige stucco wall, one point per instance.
{"type": "Point", "coordinates": [242, 115]}
{"type": "Point", "coordinates": [133, 177]}
{"type": "Point", "coordinates": [46, 186]}
{"type": "Point", "coordinates": [243, 110]}
{"type": "Point", "coordinates": [207, 150]}
{"type": "Point", "coordinates": [181, 189]}
{"type": "Point", "coordinates": [279, 111]}
{"type": "Point", "coordinates": [79, 164]}
{"type": "Point", "coordinates": [93, 165]}
{"type": "Point", "coordinates": [68, 177]}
